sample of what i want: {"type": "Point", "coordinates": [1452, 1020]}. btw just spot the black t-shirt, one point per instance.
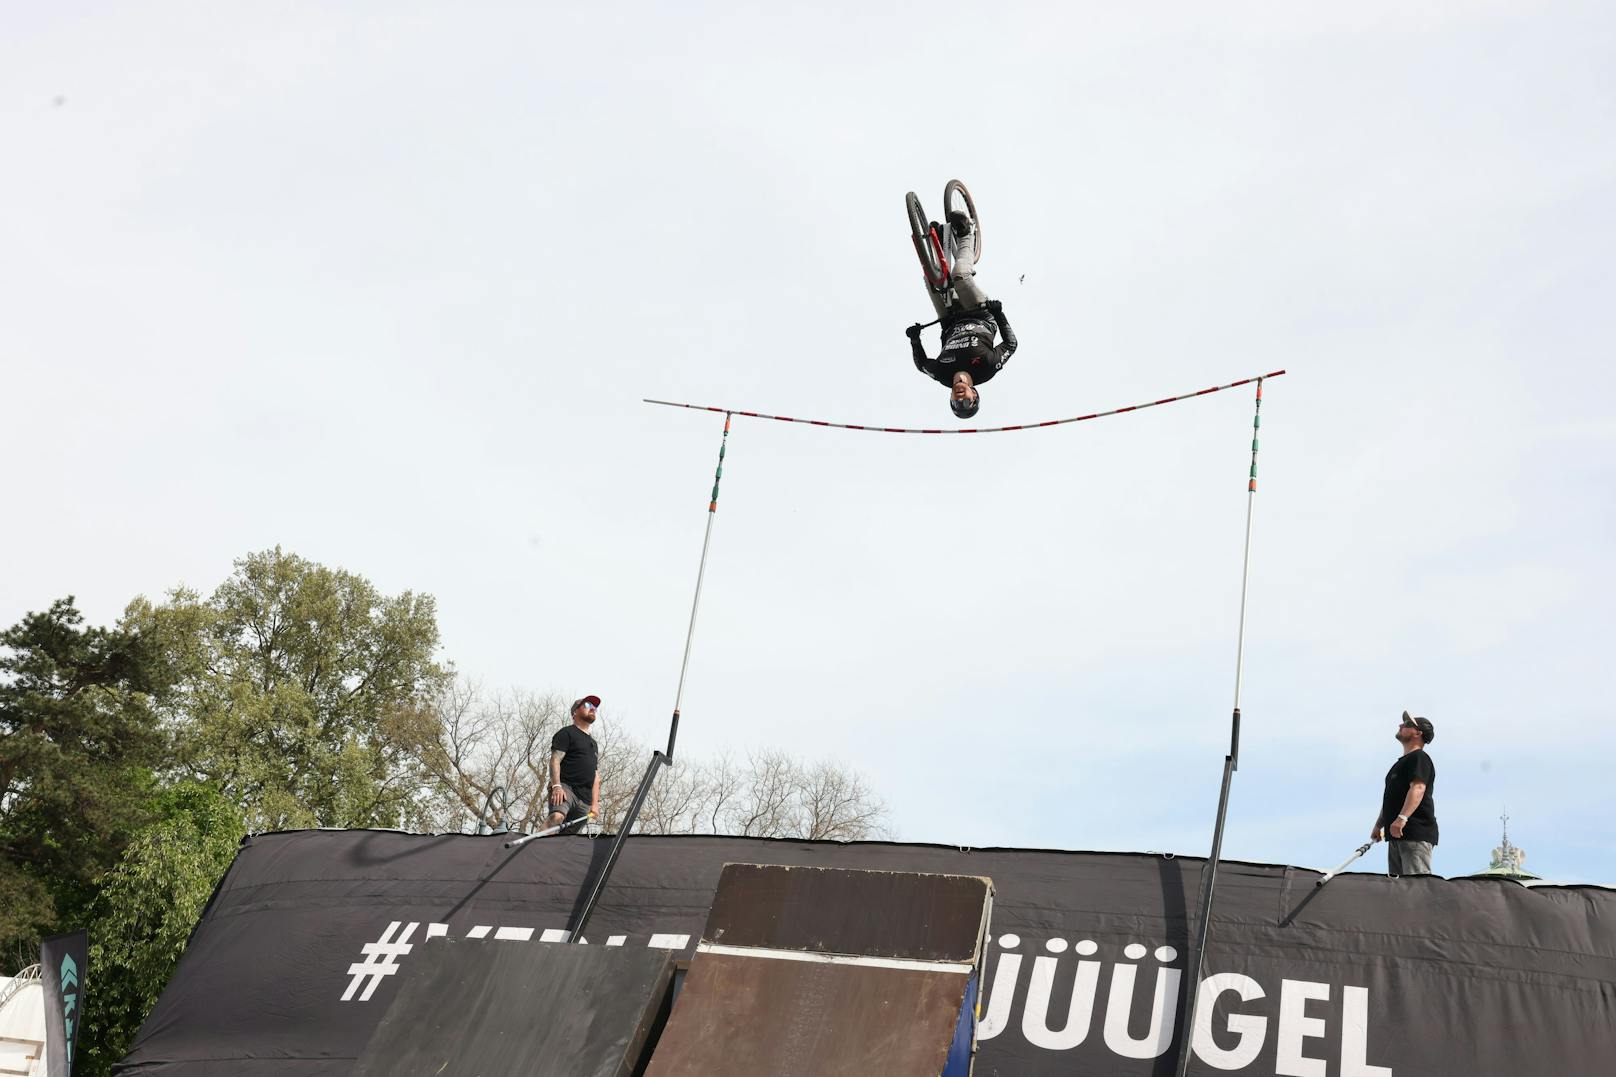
{"type": "Point", "coordinates": [968, 346]}
{"type": "Point", "coordinates": [579, 763]}
{"type": "Point", "coordinates": [1412, 767]}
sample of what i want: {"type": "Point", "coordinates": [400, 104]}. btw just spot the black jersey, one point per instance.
{"type": "Point", "coordinates": [968, 346]}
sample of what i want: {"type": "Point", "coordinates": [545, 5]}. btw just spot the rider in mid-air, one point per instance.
{"type": "Point", "coordinates": [969, 321]}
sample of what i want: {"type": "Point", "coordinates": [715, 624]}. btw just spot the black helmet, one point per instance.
{"type": "Point", "coordinates": [966, 407]}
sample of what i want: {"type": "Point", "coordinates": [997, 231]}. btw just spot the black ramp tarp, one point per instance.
{"type": "Point", "coordinates": [303, 947]}
{"type": "Point", "coordinates": [482, 1006]}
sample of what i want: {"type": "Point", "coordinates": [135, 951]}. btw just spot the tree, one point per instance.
{"type": "Point", "coordinates": [480, 744]}
{"type": "Point", "coordinates": [302, 701]}
{"type": "Point", "coordinates": [481, 750]}
{"type": "Point", "coordinates": [79, 737]}
{"type": "Point", "coordinates": [771, 795]}
{"type": "Point", "coordinates": [145, 911]}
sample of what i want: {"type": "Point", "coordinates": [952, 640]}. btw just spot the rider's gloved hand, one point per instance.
{"type": "Point", "coordinates": [913, 332]}
{"type": "Point", "coordinates": [995, 306]}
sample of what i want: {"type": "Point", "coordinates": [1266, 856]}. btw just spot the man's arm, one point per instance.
{"type": "Point", "coordinates": [1008, 335]}
{"type": "Point", "coordinates": [556, 796]}
{"type": "Point", "coordinates": [1416, 793]}
{"type": "Point", "coordinates": [923, 362]}
{"type": "Point", "coordinates": [917, 349]}
{"type": "Point", "coordinates": [594, 799]}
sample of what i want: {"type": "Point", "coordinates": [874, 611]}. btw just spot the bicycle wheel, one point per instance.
{"type": "Point", "coordinates": [928, 248]}
{"type": "Point", "coordinates": [956, 187]}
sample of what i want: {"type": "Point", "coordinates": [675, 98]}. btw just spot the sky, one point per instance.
{"type": "Point", "coordinates": [385, 285]}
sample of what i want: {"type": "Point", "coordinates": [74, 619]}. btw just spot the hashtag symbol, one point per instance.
{"type": "Point", "coordinates": [381, 960]}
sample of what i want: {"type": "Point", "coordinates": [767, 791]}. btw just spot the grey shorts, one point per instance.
{"type": "Point", "coordinates": [574, 807]}
{"type": "Point", "coordinates": [1408, 857]}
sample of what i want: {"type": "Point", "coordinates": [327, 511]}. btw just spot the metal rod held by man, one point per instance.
{"type": "Point", "coordinates": [1339, 868]}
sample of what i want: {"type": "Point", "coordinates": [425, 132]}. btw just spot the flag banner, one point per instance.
{"type": "Point", "coordinates": [310, 934]}
{"type": "Point", "coordinates": [62, 960]}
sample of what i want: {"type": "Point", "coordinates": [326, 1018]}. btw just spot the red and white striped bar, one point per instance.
{"type": "Point", "coordinates": [966, 430]}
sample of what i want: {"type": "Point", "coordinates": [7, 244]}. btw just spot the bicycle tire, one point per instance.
{"type": "Point", "coordinates": [970, 210]}
{"type": "Point", "coordinates": [927, 246]}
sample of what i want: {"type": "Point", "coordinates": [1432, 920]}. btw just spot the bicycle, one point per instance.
{"type": "Point", "coordinates": [936, 262]}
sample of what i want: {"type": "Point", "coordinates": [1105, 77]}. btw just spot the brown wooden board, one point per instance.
{"type": "Point", "coordinates": [842, 911]}
{"type": "Point", "coordinates": [761, 1017]}
{"type": "Point", "coordinates": [491, 1008]}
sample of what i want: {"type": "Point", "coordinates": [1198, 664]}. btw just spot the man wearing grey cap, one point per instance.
{"type": "Point", "coordinates": [575, 767]}
{"type": "Point", "coordinates": [1408, 808]}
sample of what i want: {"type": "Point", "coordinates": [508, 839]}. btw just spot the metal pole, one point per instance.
{"type": "Point", "coordinates": [657, 760]}
{"type": "Point", "coordinates": [558, 828]}
{"type": "Point", "coordinates": [660, 759]}
{"type": "Point", "coordinates": [695, 602]}
{"type": "Point", "coordinates": [1339, 868]}
{"type": "Point", "coordinates": [1231, 763]}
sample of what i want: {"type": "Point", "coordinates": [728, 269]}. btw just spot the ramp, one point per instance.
{"type": "Point", "coordinates": [489, 1008]}
{"type": "Point", "coordinates": [809, 972]}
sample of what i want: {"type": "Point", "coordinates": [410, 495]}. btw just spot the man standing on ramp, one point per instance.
{"type": "Point", "coordinates": [575, 767]}
{"type": "Point", "coordinates": [1408, 807]}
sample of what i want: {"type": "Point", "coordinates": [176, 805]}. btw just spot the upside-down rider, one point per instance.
{"type": "Point", "coordinates": [969, 322]}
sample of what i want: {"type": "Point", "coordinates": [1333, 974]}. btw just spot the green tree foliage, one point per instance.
{"type": "Point", "coordinates": [79, 736]}
{"type": "Point", "coordinates": [301, 697]}
{"type": "Point", "coordinates": [145, 911]}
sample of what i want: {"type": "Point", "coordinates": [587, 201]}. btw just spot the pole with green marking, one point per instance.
{"type": "Point", "coordinates": [658, 759]}
{"type": "Point", "coordinates": [701, 571]}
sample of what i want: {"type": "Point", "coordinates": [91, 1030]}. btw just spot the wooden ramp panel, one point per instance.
{"type": "Point", "coordinates": [751, 1017]}
{"type": "Point", "coordinates": [815, 972]}
{"type": "Point", "coordinates": [838, 910]}
{"type": "Point", "coordinates": [492, 1008]}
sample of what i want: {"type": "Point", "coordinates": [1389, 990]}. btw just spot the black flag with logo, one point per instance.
{"type": "Point", "coordinates": [62, 959]}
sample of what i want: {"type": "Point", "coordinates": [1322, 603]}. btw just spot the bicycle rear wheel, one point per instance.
{"type": "Point", "coordinates": [928, 247]}
{"type": "Point", "coordinates": [956, 191]}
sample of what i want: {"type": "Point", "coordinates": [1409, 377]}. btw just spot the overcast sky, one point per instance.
{"type": "Point", "coordinates": [384, 284]}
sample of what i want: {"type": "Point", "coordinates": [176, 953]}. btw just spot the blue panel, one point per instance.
{"type": "Point", "coordinates": [958, 1063]}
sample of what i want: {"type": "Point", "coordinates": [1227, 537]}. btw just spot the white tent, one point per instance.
{"type": "Point", "coordinates": [22, 1024]}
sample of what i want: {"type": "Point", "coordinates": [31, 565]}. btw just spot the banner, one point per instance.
{"type": "Point", "coordinates": [62, 960]}
{"type": "Point", "coordinates": [306, 940]}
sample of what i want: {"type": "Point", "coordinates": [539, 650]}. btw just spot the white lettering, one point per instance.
{"type": "Point", "coordinates": [1120, 1005]}
{"type": "Point", "coordinates": [1250, 1029]}
{"type": "Point", "coordinates": [1035, 1013]}
{"type": "Point", "coordinates": [669, 942]}
{"type": "Point", "coordinates": [1355, 1036]}
{"type": "Point", "coordinates": [1295, 1026]}
{"type": "Point", "coordinates": [1004, 992]}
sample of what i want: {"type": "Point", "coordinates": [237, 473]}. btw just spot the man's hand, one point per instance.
{"type": "Point", "coordinates": [1396, 828]}
{"type": "Point", "coordinates": [1374, 835]}
{"type": "Point", "coordinates": [913, 332]}
{"type": "Point", "coordinates": [557, 797]}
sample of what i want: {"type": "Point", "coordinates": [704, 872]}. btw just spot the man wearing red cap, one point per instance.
{"type": "Point", "coordinates": [574, 767]}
